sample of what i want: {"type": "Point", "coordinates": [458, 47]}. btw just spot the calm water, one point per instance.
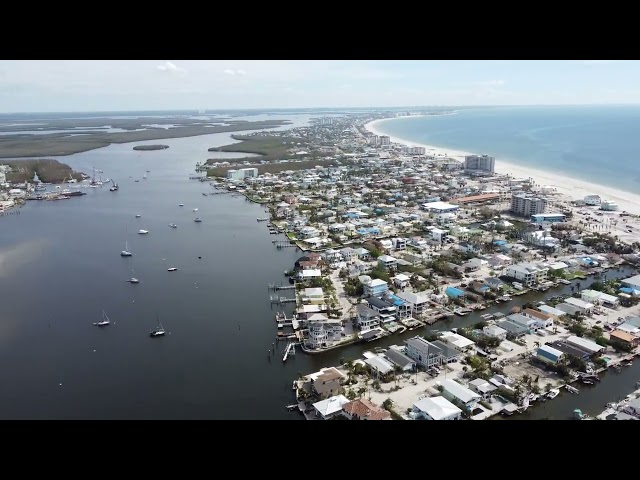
{"type": "Point", "coordinates": [60, 267]}
{"type": "Point", "coordinates": [594, 143]}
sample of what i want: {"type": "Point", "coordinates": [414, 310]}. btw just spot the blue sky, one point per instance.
{"type": "Point", "coordinates": [90, 85]}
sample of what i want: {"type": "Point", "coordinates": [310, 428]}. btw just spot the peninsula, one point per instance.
{"type": "Point", "coordinates": [150, 147]}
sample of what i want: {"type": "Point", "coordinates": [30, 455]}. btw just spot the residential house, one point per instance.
{"type": "Point", "coordinates": [479, 287]}
{"type": "Point", "coordinates": [380, 366]}
{"type": "Point", "coordinates": [387, 262]}
{"type": "Point", "coordinates": [457, 341]}
{"type": "Point", "coordinates": [330, 407]}
{"type": "Point", "coordinates": [348, 254]}
{"type": "Point", "coordinates": [493, 331]}
{"type": "Point", "coordinates": [406, 363]}
{"type": "Point", "coordinates": [483, 388]}
{"type": "Point", "coordinates": [399, 243]}
{"type": "Point", "coordinates": [363, 409]}
{"type": "Point", "coordinates": [599, 298]}
{"type": "Point", "coordinates": [366, 318]}
{"type": "Point", "coordinates": [416, 301]}
{"type": "Point", "coordinates": [582, 306]}
{"type": "Point", "coordinates": [375, 288]}
{"type": "Point", "coordinates": [425, 353]}
{"type": "Point", "coordinates": [401, 280]}
{"type": "Point", "coordinates": [542, 320]}
{"type": "Point", "coordinates": [625, 338]}
{"type": "Point", "coordinates": [494, 283]}
{"type": "Point", "coordinates": [529, 323]}
{"type": "Point", "coordinates": [323, 333]}
{"type": "Point", "coordinates": [314, 296]}
{"type": "Point", "coordinates": [454, 392]}
{"type": "Point", "coordinates": [326, 382]}
{"type": "Point", "coordinates": [514, 330]}
{"type": "Point", "coordinates": [569, 349]}
{"type": "Point", "coordinates": [587, 345]}
{"type": "Point", "coordinates": [449, 353]}
{"type": "Point", "coordinates": [555, 313]}
{"type": "Point", "coordinates": [527, 273]}
{"type": "Point", "coordinates": [436, 408]}
{"type": "Point", "coordinates": [363, 254]}
{"type": "Point", "coordinates": [548, 354]}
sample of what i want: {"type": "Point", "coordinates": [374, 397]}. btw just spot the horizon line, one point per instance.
{"type": "Point", "coordinates": [319, 108]}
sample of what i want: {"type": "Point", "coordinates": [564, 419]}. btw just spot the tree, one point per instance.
{"type": "Point", "coordinates": [548, 387]}
{"type": "Point", "coordinates": [361, 391]}
{"type": "Point", "coordinates": [351, 395]}
{"type": "Point", "coordinates": [387, 404]}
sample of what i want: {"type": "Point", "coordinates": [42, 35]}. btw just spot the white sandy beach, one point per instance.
{"type": "Point", "coordinates": [570, 187]}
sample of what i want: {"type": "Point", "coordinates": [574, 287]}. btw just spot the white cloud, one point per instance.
{"type": "Point", "coordinates": [171, 67]}
{"type": "Point", "coordinates": [241, 72]}
{"type": "Point", "coordinates": [232, 73]}
{"type": "Point", "coordinates": [597, 62]}
{"type": "Point", "coordinates": [493, 83]}
{"type": "Point", "coordinates": [228, 71]}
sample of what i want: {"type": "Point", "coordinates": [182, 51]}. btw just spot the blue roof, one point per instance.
{"type": "Point", "coordinates": [396, 301]}
{"type": "Point", "coordinates": [499, 242]}
{"type": "Point", "coordinates": [454, 292]}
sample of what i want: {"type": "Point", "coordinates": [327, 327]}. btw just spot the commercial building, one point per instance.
{"type": "Point", "coordinates": [609, 206]}
{"type": "Point", "coordinates": [483, 163]}
{"type": "Point", "coordinates": [549, 218]}
{"type": "Point", "coordinates": [242, 173]}
{"type": "Point", "coordinates": [527, 205]}
{"type": "Point", "coordinates": [385, 140]}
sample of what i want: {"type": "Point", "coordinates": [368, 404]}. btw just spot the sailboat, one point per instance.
{"type": "Point", "coordinates": [126, 252]}
{"type": "Point", "coordinates": [158, 331]}
{"type": "Point", "coordinates": [114, 187]}
{"type": "Point", "coordinates": [133, 279]}
{"type": "Point", "coordinates": [197, 220]}
{"type": "Point", "coordinates": [104, 322]}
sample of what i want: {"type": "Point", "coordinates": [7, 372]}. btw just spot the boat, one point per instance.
{"type": "Point", "coordinates": [158, 331]}
{"type": "Point", "coordinates": [126, 252]}
{"type": "Point", "coordinates": [587, 381]}
{"type": "Point", "coordinates": [204, 194]}
{"type": "Point", "coordinates": [136, 181]}
{"type": "Point", "coordinates": [171, 269]}
{"type": "Point", "coordinates": [628, 363]}
{"type": "Point", "coordinates": [134, 280]}
{"type": "Point", "coordinates": [571, 389]}
{"type": "Point", "coordinates": [138, 215]}
{"type": "Point", "coordinates": [173, 225]}
{"type": "Point", "coordinates": [197, 220]}
{"type": "Point", "coordinates": [553, 393]}
{"type": "Point", "coordinates": [144, 176]}
{"type": "Point", "coordinates": [143, 232]}
{"type": "Point", "coordinates": [104, 322]}
{"type": "Point", "coordinates": [114, 187]}
{"type": "Point", "coordinates": [181, 204]}
{"type": "Point", "coordinates": [195, 209]}
{"type": "Point", "coordinates": [148, 171]}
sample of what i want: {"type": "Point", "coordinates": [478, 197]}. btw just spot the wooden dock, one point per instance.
{"type": "Point", "coordinates": [274, 287]}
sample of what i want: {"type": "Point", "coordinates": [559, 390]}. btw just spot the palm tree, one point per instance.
{"type": "Point", "coordinates": [397, 370]}
{"type": "Point", "coordinates": [361, 391]}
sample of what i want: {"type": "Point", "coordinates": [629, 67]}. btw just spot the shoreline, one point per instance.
{"type": "Point", "coordinates": [569, 187]}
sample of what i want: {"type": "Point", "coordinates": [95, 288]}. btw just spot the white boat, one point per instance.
{"type": "Point", "coordinates": [104, 322]}
{"type": "Point", "coordinates": [158, 331]}
{"type": "Point", "coordinates": [195, 209]}
{"type": "Point", "coordinates": [197, 220]}
{"type": "Point", "coordinates": [138, 215]}
{"type": "Point", "coordinates": [181, 204]}
{"type": "Point", "coordinates": [143, 232]}
{"type": "Point", "coordinates": [553, 393]}
{"type": "Point", "coordinates": [173, 225]}
{"type": "Point", "coordinates": [144, 176]}
{"type": "Point", "coordinates": [172, 269]}
{"type": "Point", "coordinates": [134, 280]}
{"type": "Point", "coordinates": [125, 252]}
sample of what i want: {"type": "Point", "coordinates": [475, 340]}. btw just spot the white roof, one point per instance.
{"type": "Point", "coordinates": [440, 206]}
{"type": "Point", "coordinates": [401, 277]}
{"type": "Point", "coordinates": [311, 273]}
{"type": "Point", "coordinates": [551, 310]}
{"type": "Point", "coordinates": [461, 392]}
{"type": "Point", "coordinates": [494, 330]}
{"type": "Point", "coordinates": [312, 292]}
{"type": "Point", "coordinates": [413, 298]}
{"type": "Point", "coordinates": [386, 258]}
{"type": "Point", "coordinates": [380, 364]}
{"type": "Point", "coordinates": [456, 340]}
{"type": "Point", "coordinates": [377, 282]}
{"type": "Point", "coordinates": [438, 408]}
{"type": "Point", "coordinates": [330, 405]}
{"type": "Point", "coordinates": [553, 351]}
{"type": "Point", "coordinates": [576, 302]}
{"type": "Point", "coordinates": [584, 344]}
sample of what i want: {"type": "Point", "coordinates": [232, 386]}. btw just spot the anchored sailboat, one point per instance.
{"type": "Point", "coordinates": [125, 252]}
{"type": "Point", "coordinates": [158, 331]}
{"type": "Point", "coordinates": [104, 322]}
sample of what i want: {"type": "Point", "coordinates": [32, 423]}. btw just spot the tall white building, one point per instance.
{"type": "Point", "coordinates": [483, 163]}
{"type": "Point", "coordinates": [384, 140]}
{"type": "Point", "coordinates": [242, 173]}
{"type": "Point", "coordinates": [527, 205]}
{"type": "Point", "coordinates": [374, 140]}
{"type": "Point", "coordinates": [608, 205]}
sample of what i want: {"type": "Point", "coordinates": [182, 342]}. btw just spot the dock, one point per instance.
{"type": "Point", "coordinates": [274, 287]}
{"type": "Point", "coordinates": [290, 350]}
{"type": "Point", "coordinates": [284, 244]}
{"type": "Point", "coordinates": [281, 300]}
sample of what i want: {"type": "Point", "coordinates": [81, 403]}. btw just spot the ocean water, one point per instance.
{"type": "Point", "coordinates": [600, 144]}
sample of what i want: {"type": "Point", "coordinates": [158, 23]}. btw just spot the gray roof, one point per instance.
{"type": "Point", "coordinates": [398, 358]}
{"type": "Point", "coordinates": [363, 310]}
{"type": "Point", "coordinates": [564, 347]}
{"type": "Point", "coordinates": [512, 327]}
{"type": "Point", "coordinates": [377, 302]}
{"type": "Point", "coordinates": [423, 346]}
{"type": "Point", "coordinates": [447, 350]}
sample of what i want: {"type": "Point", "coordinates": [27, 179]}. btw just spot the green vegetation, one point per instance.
{"type": "Point", "coordinates": [150, 147]}
{"type": "Point", "coordinates": [270, 147]}
{"type": "Point", "coordinates": [48, 171]}
{"type": "Point", "coordinates": [276, 167]}
{"type": "Point", "coordinates": [21, 145]}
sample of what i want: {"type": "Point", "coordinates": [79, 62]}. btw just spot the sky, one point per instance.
{"type": "Point", "coordinates": [121, 85]}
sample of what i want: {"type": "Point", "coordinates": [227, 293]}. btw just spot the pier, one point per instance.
{"type": "Point", "coordinates": [290, 350]}
{"type": "Point", "coordinates": [284, 244]}
{"type": "Point", "coordinates": [281, 300]}
{"type": "Point", "coordinates": [274, 287]}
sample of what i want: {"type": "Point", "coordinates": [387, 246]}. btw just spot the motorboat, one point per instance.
{"type": "Point", "coordinates": [171, 269]}
{"type": "Point", "coordinates": [195, 209]}
{"type": "Point", "coordinates": [197, 220]}
{"type": "Point", "coordinates": [553, 393]}
{"type": "Point", "coordinates": [138, 215]}
{"type": "Point", "coordinates": [173, 225]}
{"type": "Point", "coordinates": [181, 204]}
{"type": "Point", "coordinates": [134, 280]}
{"type": "Point", "coordinates": [143, 232]}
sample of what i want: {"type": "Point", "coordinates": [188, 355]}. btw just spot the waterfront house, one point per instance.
{"type": "Point", "coordinates": [556, 313]}
{"type": "Point", "coordinates": [453, 292]}
{"type": "Point", "coordinates": [483, 388]}
{"type": "Point", "coordinates": [425, 353]}
{"type": "Point", "coordinates": [323, 333]}
{"type": "Point", "coordinates": [527, 273]}
{"type": "Point", "coordinates": [479, 287]}
{"type": "Point", "coordinates": [406, 363]}
{"type": "Point", "coordinates": [375, 288]}
{"type": "Point", "coordinates": [582, 306]}
{"type": "Point", "coordinates": [514, 330]}
{"type": "Point", "coordinates": [326, 382]}
{"type": "Point", "coordinates": [448, 352]}
{"type": "Point", "coordinates": [454, 392]}
{"type": "Point", "coordinates": [569, 349]}
{"type": "Point", "coordinates": [314, 296]}
{"type": "Point", "coordinates": [568, 309]}
{"type": "Point", "coordinates": [493, 331]}
{"type": "Point", "coordinates": [599, 298]}
{"type": "Point", "coordinates": [366, 318]}
{"type": "Point", "coordinates": [381, 305]}
{"type": "Point", "coordinates": [548, 354]}
{"type": "Point", "coordinates": [625, 338]}
{"type": "Point", "coordinates": [363, 409]}
{"type": "Point", "coordinates": [380, 366]}
{"type": "Point", "coordinates": [457, 341]}
{"type": "Point", "coordinates": [417, 302]}
{"type": "Point", "coordinates": [435, 408]}
{"type": "Point", "coordinates": [330, 407]}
